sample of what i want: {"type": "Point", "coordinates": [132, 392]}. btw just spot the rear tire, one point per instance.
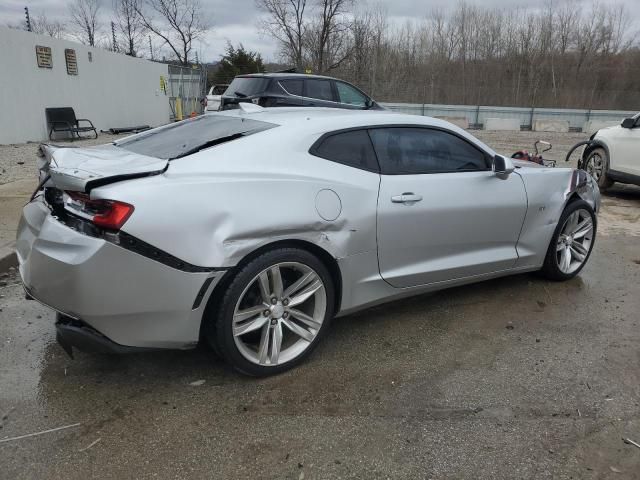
{"type": "Point", "coordinates": [571, 243]}
{"type": "Point", "coordinates": [273, 313]}
{"type": "Point", "coordinates": [597, 165]}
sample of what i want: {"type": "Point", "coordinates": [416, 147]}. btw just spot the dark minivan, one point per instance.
{"type": "Point", "coordinates": [295, 90]}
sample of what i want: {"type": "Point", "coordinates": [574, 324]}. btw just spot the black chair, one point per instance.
{"type": "Point", "coordinates": [63, 119]}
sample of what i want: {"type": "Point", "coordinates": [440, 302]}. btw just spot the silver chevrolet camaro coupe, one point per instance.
{"type": "Point", "coordinates": [251, 229]}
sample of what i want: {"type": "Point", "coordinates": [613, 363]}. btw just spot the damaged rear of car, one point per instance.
{"type": "Point", "coordinates": [114, 291]}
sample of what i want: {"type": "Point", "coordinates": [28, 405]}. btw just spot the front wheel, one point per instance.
{"type": "Point", "coordinates": [596, 164]}
{"type": "Point", "coordinates": [274, 312]}
{"type": "Point", "coordinates": [571, 243]}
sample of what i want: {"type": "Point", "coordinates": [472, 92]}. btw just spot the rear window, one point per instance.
{"type": "Point", "coordinates": [320, 89]}
{"type": "Point", "coordinates": [189, 136]}
{"type": "Point", "coordinates": [247, 86]}
{"type": "Point", "coordinates": [352, 148]}
{"type": "Point", "coordinates": [293, 87]}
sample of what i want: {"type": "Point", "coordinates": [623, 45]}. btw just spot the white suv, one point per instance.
{"type": "Point", "coordinates": [213, 98]}
{"type": "Point", "coordinates": [613, 154]}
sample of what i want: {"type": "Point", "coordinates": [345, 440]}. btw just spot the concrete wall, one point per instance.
{"type": "Point", "coordinates": [561, 126]}
{"type": "Point", "coordinates": [113, 90]}
{"type": "Point", "coordinates": [478, 115]}
{"type": "Point", "coordinates": [512, 124]}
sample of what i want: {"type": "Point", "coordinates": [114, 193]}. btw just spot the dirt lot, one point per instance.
{"type": "Point", "coordinates": [512, 378]}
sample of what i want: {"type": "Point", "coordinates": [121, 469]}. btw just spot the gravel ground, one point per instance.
{"type": "Point", "coordinates": [18, 162]}
{"type": "Point", "coordinates": [516, 378]}
{"type": "Point", "coordinates": [506, 143]}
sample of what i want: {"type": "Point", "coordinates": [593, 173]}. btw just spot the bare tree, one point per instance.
{"type": "Point", "coordinates": [42, 25]}
{"type": "Point", "coordinates": [180, 23]}
{"type": "Point", "coordinates": [325, 37]}
{"type": "Point", "coordinates": [556, 56]}
{"type": "Point", "coordinates": [130, 25]}
{"type": "Point", "coordinates": [286, 22]}
{"type": "Point", "coordinates": [84, 17]}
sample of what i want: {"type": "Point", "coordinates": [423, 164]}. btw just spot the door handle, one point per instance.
{"type": "Point", "coordinates": [406, 197]}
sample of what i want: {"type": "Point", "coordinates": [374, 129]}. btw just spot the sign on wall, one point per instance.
{"type": "Point", "coordinates": [43, 55]}
{"type": "Point", "coordinates": [72, 62]}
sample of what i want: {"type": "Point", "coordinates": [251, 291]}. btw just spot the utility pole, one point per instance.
{"type": "Point", "coordinates": [114, 45]}
{"type": "Point", "coordinates": [28, 21]}
{"type": "Point", "coordinates": [150, 48]}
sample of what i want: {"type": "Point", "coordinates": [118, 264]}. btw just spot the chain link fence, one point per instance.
{"type": "Point", "coordinates": [186, 89]}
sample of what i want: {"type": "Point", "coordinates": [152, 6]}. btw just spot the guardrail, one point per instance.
{"type": "Point", "coordinates": [477, 115]}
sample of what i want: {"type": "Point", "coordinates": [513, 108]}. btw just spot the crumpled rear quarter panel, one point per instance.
{"type": "Point", "coordinates": [215, 217]}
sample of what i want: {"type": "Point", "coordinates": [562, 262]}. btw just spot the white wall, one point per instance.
{"type": "Point", "coordinates": [113, 90]}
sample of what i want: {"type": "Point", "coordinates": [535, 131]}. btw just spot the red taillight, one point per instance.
{"type": "Point", "coordinates": [114, 215]}
{"type": "Point", "coordinates": [109, 214]}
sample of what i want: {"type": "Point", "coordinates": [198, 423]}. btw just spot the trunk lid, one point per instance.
{"type": "Point", "coordinates": [81, 169]}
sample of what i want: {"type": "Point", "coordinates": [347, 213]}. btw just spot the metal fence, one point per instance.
{"type": "Point", "coordinates": [185, 88]}
{"type": "Point", "coordinates": [476, 115]}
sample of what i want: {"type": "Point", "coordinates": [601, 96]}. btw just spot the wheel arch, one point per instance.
{"type": "Point", "coordinates": [324, 256]}
{"type": "Point", "coordinates": [593, 145]}
{"type": "Point", "coordinates": [582, 187]}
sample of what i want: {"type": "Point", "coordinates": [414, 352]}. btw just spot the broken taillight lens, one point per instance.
{"type": "Point", "coordinates": [108, 214]}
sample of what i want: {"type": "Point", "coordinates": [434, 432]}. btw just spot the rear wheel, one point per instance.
{"type": "Point", "coordinates": [597, 165]}
{"type": "Point", "coordinates": [274, 312]}
{"type": "Point", "coordinates": [571, 243]}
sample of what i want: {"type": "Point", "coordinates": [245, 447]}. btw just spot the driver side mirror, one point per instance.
{"type": "Point", "coordinates": [628, 123]}
{"type": "Point", "coordinates": [502, 166]}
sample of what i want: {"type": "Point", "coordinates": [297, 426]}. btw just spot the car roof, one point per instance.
{"type": "Point", "coordinates": [284, 75]}
{"type": "Point", "coordinates": [314, 120]}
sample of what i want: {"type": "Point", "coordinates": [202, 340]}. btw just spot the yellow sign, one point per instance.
{"type": "Point", "coordinates": [308, 71]}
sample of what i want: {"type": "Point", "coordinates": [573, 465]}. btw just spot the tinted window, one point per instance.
{"type": "Point", "coordinates": [320, 89]}
{"type": "Point", "coordinates": [350, 95]}
{"type": "Point", "coordinates": [293, 87]}
{"type": "Point", "coordinates": [421, 150]}
{"type": "Point", "coordinates": [247, 86]}
{"type": "Point", "coordinates": [181, 138]}
{"type": "Point", "coordinates": [349, 148]}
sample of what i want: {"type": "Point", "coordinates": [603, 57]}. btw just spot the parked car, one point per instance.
{"type": "Point", "coordinates": [213, 97]}
{"type": "Point", "coordinates": [295, 90]}
{"type": "Point", "coordinates": [611, 155]}
{"type": "Point", "coordinates": [252, 228]}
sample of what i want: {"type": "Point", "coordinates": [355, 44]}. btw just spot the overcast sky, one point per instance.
{"type": "Point", "coordinates": [235, 20]}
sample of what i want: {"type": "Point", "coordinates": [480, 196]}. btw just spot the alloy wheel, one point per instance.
{"type": "Point", "coordinates": [574, 241]}
{"type": "Point", "coordinates": [279, 313]}
{"type": "Point", "coordinates": [595, 165]}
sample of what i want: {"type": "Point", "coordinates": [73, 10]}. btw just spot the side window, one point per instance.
{"type": "Point", "coordinates": [351, 148]}
{"type": "Point", "coordinates": [293, 87]}
{"type": "Point", "coordinates": [320, 89]}
{"type": "Point", "coordinates": [350, 95]}
{"type": "Point", "coordinates": [402, 150]}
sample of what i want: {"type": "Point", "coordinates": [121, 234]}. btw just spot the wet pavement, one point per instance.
{"type": "Point", "coordinates": [512, 378]}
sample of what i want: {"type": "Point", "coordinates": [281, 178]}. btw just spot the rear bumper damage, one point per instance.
{"type": "Point", "coordinates": [121, 298]}
{"type": "Point", "coordinates": [72, 333]}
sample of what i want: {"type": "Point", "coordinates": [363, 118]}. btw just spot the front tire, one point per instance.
{"type": "Point", "coordinates": [597, 165]}
{"type": "Point", "coordinates": [273, 313]}
{"type": "Point", "coordinates": [571, 243]}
